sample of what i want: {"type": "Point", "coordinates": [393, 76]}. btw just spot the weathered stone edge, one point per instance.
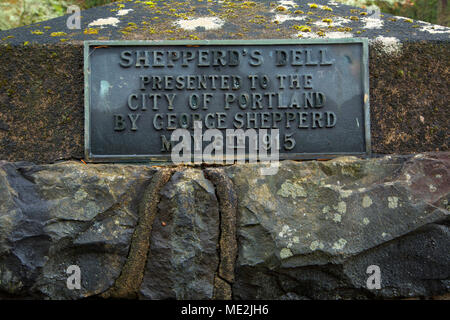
{"type": "Point", "coordinates": [130, 279]}
{"type": "Point", "coordinates": [227, 198]}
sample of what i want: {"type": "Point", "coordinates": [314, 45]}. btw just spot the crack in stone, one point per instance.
{"type": "Point", "coordinates": [128, 283]}
{"type": "Point", "coordinates": [227, 249]}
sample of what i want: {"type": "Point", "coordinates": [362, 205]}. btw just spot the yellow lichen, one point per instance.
{"type": "Point", "coordinates": [90, 31]}
{"type": "Point", "coordinates": [346, 29]}
{"type": "Point", "coordinates": [298, 12]}
{"type": "Point", "coordinates": [313, 5]}
{"type": "Point", "coordinates": [37, 32]}
{"type": "Point", "coordinates": [57, 34]}
{"type": "Point", "coordinates": [150, 4]}
{"type": "Point", "coordinates": [302, 28]}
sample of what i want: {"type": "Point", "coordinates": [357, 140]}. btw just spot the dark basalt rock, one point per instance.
{"type": "Point", "coordinates": [308, 232]}
{"type": "Point", "coordinates": [183, 256]}
{"type": "Point", "coordinates": [55, 216]}
{"type": "Point", "coordinates": [314, 228]}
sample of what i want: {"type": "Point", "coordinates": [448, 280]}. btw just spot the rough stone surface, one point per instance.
{"type": "Point", "coordinates": [409, 98]}
{"type": "Point", "coordinates": [54, 216]}
{"type": "Point", "coordinates": [308, 232]}
{"type": "Point", "coordinates": [231, 19]}
{"type": "Point", "coordinates": [227, 200]}
{"type": "Point", "coordinates": [129, 282]}
{"type": "Point", "coordinates": [41, 118]}
{"type": "Point", "coordinates": [183, 256]}
{"type": "Point", "coordinates": [314, 228]}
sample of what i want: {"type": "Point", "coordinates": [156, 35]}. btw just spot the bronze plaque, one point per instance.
{"type": "Point", "coordinates": [138, 92]}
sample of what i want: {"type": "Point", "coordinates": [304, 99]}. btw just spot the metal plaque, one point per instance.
{"type": "Point", "coordinates": [137, 93]}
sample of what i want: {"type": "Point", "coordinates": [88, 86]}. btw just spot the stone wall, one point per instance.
{"type": "Point", "coordinates": [308, 232]}
{"type": "Point", "coordinates": [224, 232]}
{"type": "Point", "coordinates": [42, 117]}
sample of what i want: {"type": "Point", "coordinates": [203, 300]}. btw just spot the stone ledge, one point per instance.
{"type": "Point", "coordinates": [229, 19]}
{"type": "Point", "coordinates": [41, 78]}
{"type": "Point", "coordinates": [42, 118]}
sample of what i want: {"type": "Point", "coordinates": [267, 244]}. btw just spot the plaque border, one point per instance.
{"type": "Point", "coordinates": [165, 159]}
